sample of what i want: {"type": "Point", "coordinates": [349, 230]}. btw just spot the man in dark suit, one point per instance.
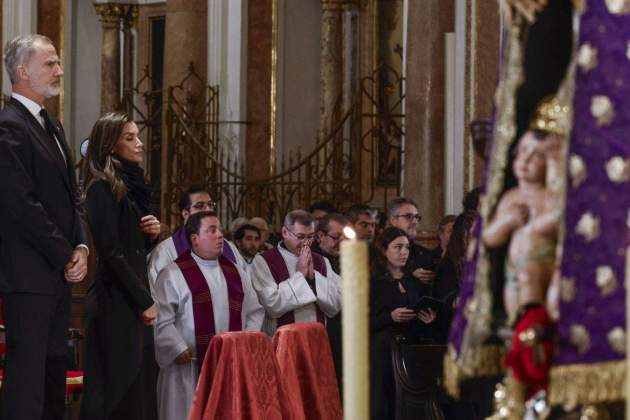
{"type": "Point", "coordinates": [42, 240]}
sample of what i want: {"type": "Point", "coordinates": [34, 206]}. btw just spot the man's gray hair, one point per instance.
{"type": "Point", "coordinates": [19, 50]}
{"type": "Point", "coordinates": [395, 205]}
{"type": "Point", "coordinates": [299, 216]}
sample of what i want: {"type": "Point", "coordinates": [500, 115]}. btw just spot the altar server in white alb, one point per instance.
{"type": "Point", "coordinates": [192, 201]}
{"type": "Point", "coordinates": [293, 283]}
{"type": "Point", "coordinates": [199, 295]}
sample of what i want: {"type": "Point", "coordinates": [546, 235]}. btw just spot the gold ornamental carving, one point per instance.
{"type": "Point", "coordinates": [111, 14]}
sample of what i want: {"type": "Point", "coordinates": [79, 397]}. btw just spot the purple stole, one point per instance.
{"type": "Point", "coordinates": [203, 314]}
{"type": "Point", "coordinates": [280, 273]}
{"type": "Point", "coordinates": [181, 245]}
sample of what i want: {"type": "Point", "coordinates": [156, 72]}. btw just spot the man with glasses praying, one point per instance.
{"type": "Point", "coordinates": [403, 213]}
{"type": "Point", "coordinates": [293, 283]}
{"type": "Point", "coordinates": [194, 200]}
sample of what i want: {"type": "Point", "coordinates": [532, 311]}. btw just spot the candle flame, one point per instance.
{"type": "Point", "coordinates": [349, 232]}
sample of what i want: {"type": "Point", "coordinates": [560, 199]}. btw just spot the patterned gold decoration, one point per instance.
{"type": "Point", "coordinates": [594, 383]}
{"type": "Point", "coordinates": [602, 110]}
{"type": "Point", "coordinates": [578, 170]}
{"type": "Point", "coordinates": [588, 226]}
{"type": "Point", "coordinates": [587, 57]}
{"type": "Point", "coordinates": [606, 280]}
{"type": "Point", "coordinates": [594, 412]}
{"type": "Point", "coordinates": [567, 289]}
{"type": "Point", "coordinates": [617, 340]}
{"type": "Point", "coordinates": [618, 169]}
{"type": "Point", "coordinates": [550, 117]}
{"type": "Point", "coordinates": [509, 399]}
{"type": "Point", "coordinates": [580, 338]}
{"type": "Point", "coordinates": [470, 251]}
{"type": "Point", "coordinates": [628, 220]}
{"type": "Point", "coordinates": [483, 361]}
{"type": "Point", "coordinates": [618, 7]}
{"type": "Point", "coordinates": [628, 51]}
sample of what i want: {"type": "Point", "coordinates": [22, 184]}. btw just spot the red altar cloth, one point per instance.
{"type": "Point", "coordinates": [305, 359]}
{"type": "Point", "coordinates": [240, 380]}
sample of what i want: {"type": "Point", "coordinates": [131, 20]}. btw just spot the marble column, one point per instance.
{"type": "Point", "coordinates": [331, 65]}
{"type": "Point", "coordinates": [428, 21]}
{"type": "Point", "coordinates": [259, 73]}
{"type": "Point", "coordinates": [50, 22]}
{"type": "Point", "coordinates": [110, 15]}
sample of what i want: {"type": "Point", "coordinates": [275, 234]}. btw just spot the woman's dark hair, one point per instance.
{"type": "Point", "coordinates": [379, 266]}
{"type": "Point", "coordinates": [458, 244]}
{"type": "Point", "coordinates": [101, 163]}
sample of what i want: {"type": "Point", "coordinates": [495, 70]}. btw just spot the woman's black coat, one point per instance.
{"type": "Point", "coordinates": [119, 347]}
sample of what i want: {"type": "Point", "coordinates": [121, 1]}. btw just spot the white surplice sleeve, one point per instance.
{"type": "Point", "coordinates": [278, 299]}
{"type": "Point", "coordinates": [161, 256]}
{"type": "Point", "coordinates": [253, 312]}
{"type": "Point", "coordinates": [169, 342]}
{"type": "Point", "coordinates": [328, 291]}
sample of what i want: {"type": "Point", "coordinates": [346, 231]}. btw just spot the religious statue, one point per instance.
{"type": "Point", "coordinates": [552, 243]}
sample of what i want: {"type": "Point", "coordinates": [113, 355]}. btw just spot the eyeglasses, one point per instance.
{"type": "Point", "coordinates": [301, 236]}
{"type": "Point", "coordinates": [334, 238]}
{"type": "Point", "coordinates": [200, 205]}
{"type": "Point", "coordinates": [410, 217]}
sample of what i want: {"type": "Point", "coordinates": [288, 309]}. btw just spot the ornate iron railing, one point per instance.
{"type": "Point", "coordinates": [335, 170]}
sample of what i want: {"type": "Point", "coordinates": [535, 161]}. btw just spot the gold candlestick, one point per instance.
{"type": "Point", "coordinates": [355, 322]}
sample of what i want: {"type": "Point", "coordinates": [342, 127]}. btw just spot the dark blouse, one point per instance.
{"type": "Point", "coordinates": [386, 295]}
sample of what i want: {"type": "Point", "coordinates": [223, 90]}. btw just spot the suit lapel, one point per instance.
{"type": "Point", "coordinates": [41, 136]}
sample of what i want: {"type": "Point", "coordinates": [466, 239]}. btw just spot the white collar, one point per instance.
{"type": "Point", "coordinates": [286, 253]}
{"type": "Point", "coordinates": [203, 262]}
{"type": "Point", "coordinates": [32, 106]}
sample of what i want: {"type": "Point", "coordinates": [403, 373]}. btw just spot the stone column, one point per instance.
{"type": "Point", "coordinates": [186, 40]}
{"type": "Point", "coordinates": [129, 21]}
{"type": "Point", "coordinates": [428, 21]}
{"type": "Point", "coordinates": [110, 15]}
{"type": "Point", "coordinates": [331, 64]}
{"type": "Point", "coordinates": [259, 73]}
{"type": "Point", "coordinates": [50, 22]}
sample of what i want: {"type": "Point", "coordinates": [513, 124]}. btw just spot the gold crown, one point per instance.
{"type": "Point", "coordinates": [550, 117]}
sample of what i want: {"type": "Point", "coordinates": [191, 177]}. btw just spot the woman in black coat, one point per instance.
{"type": "Point", "coordinates": [393, 291]}
{"type": "Point", "coordinates": [120, 370]}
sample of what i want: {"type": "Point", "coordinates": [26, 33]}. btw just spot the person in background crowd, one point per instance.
{"type": "Point", "coordinates": [393, 292]}
{"type": "Point", "coordinates": [262, 225]}
{"type": "Point", "coordinates": [329, 236]}
{"type": "Point", "coordinates": [247, 240]}
{"type": "Point", "coordinates": [445, 227]}
{"type": "Point", "coordinates": [471, 200]}
{"type": "Point", "coordinates": [449, 271]}
{"type": "Point", "coordinates": [403, 213]}
{"type": "Point", "coordinates": [363, 220]}
{"type": "Point", "coordinates": [319, 209]}
{"type": "Point", "coordinates": [187, 322]}
{"type": "Point", "coordinates": [120, 369]}
{"type": "Point", "coordinates": [191, 201]}
{"type": "Point", "coordinates": [293, 283]}
{"type": "Point", "coordinates": [235, 224]}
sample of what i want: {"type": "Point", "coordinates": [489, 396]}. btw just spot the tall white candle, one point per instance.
{"type": "Point", "coordinates": [355, 322]}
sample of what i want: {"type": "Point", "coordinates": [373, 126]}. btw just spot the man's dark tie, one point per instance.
{"type": "Point", "coordinates": [52, 132]}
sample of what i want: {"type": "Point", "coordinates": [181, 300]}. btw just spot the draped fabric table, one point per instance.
{"type": "Point", "coordinates": [240, 380]}
{"type": "Point", "coordinates": [305, 360]}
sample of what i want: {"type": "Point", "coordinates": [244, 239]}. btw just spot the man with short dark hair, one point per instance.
{"type": "Point", "coordinates": [363, 220]}
{"type": "Point", "coordinates": [293, 283]}
{"type": "Point", "coordinates": [191, 201]}
{"type": "Point", "coordinates": [42, 249]}
{"type": "Point", "coordinates": [247, 240]}
{"type": "Point", "coordinates": [187, 319]}
{"type": "Point", "coordinates": [402, 212]}
{"type": "Point", "coordinates": [319, 209]}
{"type": "Point", "coordinates": [329, 235]}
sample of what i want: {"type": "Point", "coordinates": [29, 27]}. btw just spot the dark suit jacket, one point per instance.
{"type": "Point", "coordinates": [40, 221]}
